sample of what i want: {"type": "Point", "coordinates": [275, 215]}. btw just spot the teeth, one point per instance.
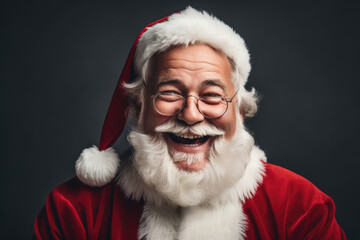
{"type": "Point", "coordinates": [190, 145]}
{"type": "Point", "coordinates": [188, 136]}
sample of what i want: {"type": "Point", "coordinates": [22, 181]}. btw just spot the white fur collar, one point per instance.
{"type": "Point", "coordinates": [198, 222]}
{"type": "Point", "coordinates": [220, 219]}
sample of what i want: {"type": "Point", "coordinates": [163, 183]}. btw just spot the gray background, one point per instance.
{"type": "Point", "coordinates": [60, 61]}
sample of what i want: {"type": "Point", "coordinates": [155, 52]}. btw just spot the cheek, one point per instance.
{"type": "Point", "coordinates": [152, 119]}
{"type": "Point", "coordinates": [227, 123]}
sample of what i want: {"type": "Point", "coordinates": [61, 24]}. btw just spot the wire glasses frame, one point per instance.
{"type": "Point", "coordinates": [180, 97]}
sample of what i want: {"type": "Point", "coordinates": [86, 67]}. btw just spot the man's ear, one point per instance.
{"type": "Point", "coordinates": [242, 114]}
{"type": "Point", "coordinates": [138, 108]}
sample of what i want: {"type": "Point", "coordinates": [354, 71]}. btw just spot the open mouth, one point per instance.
{"type": "Point", "coordinates": [188, 139]}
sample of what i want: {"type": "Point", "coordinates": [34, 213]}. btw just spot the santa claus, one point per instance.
{"type": "Point", "coordinates": [193, 171]}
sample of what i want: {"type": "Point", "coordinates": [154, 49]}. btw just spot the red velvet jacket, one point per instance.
{"type": "Point", "coordinates": [285, 206]}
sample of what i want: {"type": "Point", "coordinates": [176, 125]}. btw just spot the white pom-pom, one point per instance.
{"type": "Point", "coordinates": [97, 168]}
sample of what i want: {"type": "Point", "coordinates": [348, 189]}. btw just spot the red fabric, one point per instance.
{"type": "Point", "coordinates": [76, 211]}
{"type": "Point", "coordinates": [117, 113]}
{"type": "Point", "coordinates": [285, 206]}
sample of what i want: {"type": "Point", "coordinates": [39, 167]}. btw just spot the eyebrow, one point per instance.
{"type": "Point", "coordinates": [214, 82]}
{"type": "Point", "coordinates": [167, 81]}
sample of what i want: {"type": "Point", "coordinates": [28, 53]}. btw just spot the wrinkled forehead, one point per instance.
{"type": "Point", "coordinates": [199, 60]}
{"type": "Point", "coordinates": [205, 49]}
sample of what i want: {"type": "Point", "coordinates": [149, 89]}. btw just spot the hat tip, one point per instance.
{"type": "Point", "coordinates": [97, 168]}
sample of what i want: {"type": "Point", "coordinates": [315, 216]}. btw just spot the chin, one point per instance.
{"type": "Point", "coordinates": [191, 167]}
{"type": "Point", "coordinates": [185, 166]}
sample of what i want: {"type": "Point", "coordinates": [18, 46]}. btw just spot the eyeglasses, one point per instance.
{"type": "Point", "coordinates": [210, 106]}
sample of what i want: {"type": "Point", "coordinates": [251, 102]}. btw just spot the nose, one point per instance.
{"type": "Point", "coordinates": [190, 114]}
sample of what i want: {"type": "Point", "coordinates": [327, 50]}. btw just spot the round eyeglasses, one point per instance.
{"type": "Point", "coordinates": [210, 106]}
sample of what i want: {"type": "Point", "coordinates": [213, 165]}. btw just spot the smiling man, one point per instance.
{"type": "Point", "coordinates": [193, 171]}
{"type": "Point", "coordinates": [188, 86]}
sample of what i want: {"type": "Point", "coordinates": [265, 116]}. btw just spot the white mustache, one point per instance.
{"type": "Point", "coordinates": [202, 129]}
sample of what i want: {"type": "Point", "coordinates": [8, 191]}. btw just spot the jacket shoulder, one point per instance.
{"type": "Point", "coordinates": [74, 190]}
{"type": "Point", "coordinates": [92, 211]}
{"type": "Point", "coordinates": [279, 178]}
{"type": "Point", "coordinates": [291, 207]}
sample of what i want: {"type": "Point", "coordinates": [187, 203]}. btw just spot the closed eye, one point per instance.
{"type": "Point", "coordinates": [211, 95]}
{"type": "Point", "coordinates": [169, 92]}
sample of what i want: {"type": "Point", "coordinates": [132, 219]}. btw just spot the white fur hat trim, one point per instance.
{"type": "Point", "coordinates": [97, 168]}
{"type": "Point", "coordinates": [188, 27]}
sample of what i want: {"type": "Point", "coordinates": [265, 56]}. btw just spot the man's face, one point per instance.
{"type": "Point", "coordinates": [196, 70]}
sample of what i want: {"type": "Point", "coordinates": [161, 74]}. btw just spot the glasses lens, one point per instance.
{"type": "Point", "coordinates": [212, 106]}
{"type": "Point", "coordinates": [168, 103]}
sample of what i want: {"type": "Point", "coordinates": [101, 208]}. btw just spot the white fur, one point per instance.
{"type": "Point", "coordinates": [253, 176]}
{"type": "Point", "coordinates": [220, 219]}
{"type": "Point", "coordinates": [217, 222]}
{"type": "Point", "coordinates": [210, 222]}
{"type": "Point", "coordinates": [97, 168]}
{"type": "Point", "coordinates": [188, 27]}
{"type": "Point", "coordinates": [159, 222]}
{"type": "Point", "coordinates": [179, 207]}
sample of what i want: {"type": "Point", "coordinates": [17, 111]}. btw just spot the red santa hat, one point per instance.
{"type": "Point", "coordinates": [98, 166]}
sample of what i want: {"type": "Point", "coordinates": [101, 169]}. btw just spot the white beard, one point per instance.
{"type": "Point", "coordinates": [192, 205]}
{"type": "Point", "coordinates": [153, 175]}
